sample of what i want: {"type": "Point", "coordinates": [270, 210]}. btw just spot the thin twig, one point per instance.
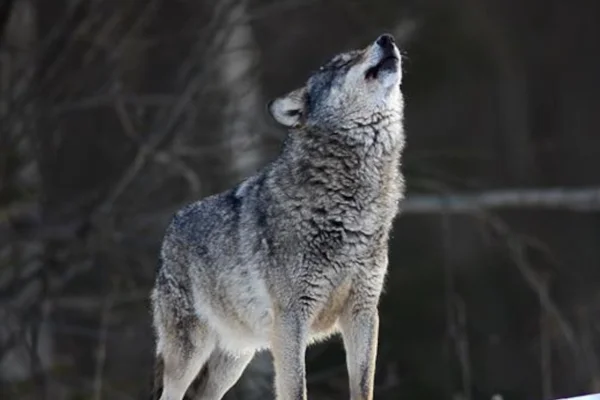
{"type": "Point", "coordinates": [462, 348]}
{"type": "Point", "coordinates": [449, 297]}
{"type": "Point", "coordinates": [517, 246]}
{"type": "Point", "coordinates": [545, 351]}
{"type": "Point", "coordinates": [162, 157]}
{"type": "Point", "coordinates": [101, 349]}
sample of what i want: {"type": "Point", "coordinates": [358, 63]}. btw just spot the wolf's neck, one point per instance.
{"type": "Point", "coordinates": [364, 158]}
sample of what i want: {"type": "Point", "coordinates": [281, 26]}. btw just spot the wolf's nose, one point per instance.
{"type": "Point", "coordinates": [385, 41]}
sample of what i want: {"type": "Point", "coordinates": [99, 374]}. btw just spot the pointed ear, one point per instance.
{"type": "Point", "coordinates": [289, 109]}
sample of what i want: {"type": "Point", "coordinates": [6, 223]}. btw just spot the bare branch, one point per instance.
{"type": "Point", "coordinates": [571, 199]}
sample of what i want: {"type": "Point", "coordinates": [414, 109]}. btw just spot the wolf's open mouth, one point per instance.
{"type": "Point", "coordinates": [388, 63]}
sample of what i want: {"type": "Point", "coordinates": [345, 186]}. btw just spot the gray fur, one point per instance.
{"type": "Point", "coordinates": [297, 252]}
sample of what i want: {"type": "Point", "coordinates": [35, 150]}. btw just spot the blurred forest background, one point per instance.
{"type": "Point", "coordinates": [113, 114]}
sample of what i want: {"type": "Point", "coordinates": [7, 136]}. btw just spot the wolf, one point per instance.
{"type": "Point", "coordinates": [297, 252]}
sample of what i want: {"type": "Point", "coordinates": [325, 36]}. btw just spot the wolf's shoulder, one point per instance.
{"type": "Point", "coordinates": [217, 211]}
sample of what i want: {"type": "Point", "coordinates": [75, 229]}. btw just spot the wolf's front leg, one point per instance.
{"type": "Point", "coordinates": [288, 346]}
{"type": "Point", "coordinates": [360, 331]}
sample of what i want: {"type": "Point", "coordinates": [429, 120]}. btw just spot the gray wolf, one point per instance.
{"type": "Point", "coordinates": [298, 251]}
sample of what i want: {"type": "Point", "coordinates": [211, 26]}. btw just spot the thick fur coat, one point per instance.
{"type": "Point", "coordinates": [297, 252]}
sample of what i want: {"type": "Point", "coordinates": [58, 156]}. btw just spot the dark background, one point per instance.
{"type": "Point", "coordinates": [114, 113]}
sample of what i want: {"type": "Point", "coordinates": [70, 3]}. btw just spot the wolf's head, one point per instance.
{"type": "Point", "coordinates": [349, 90]}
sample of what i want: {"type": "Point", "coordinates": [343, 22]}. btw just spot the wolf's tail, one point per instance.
{"type": "Point", "coordinates": [157, 381]}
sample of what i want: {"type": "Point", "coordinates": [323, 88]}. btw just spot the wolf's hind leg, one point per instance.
{"type": "Point", "coordinates": [223, 371]}
{"type": "Point", "coordinates": [183, 352]}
